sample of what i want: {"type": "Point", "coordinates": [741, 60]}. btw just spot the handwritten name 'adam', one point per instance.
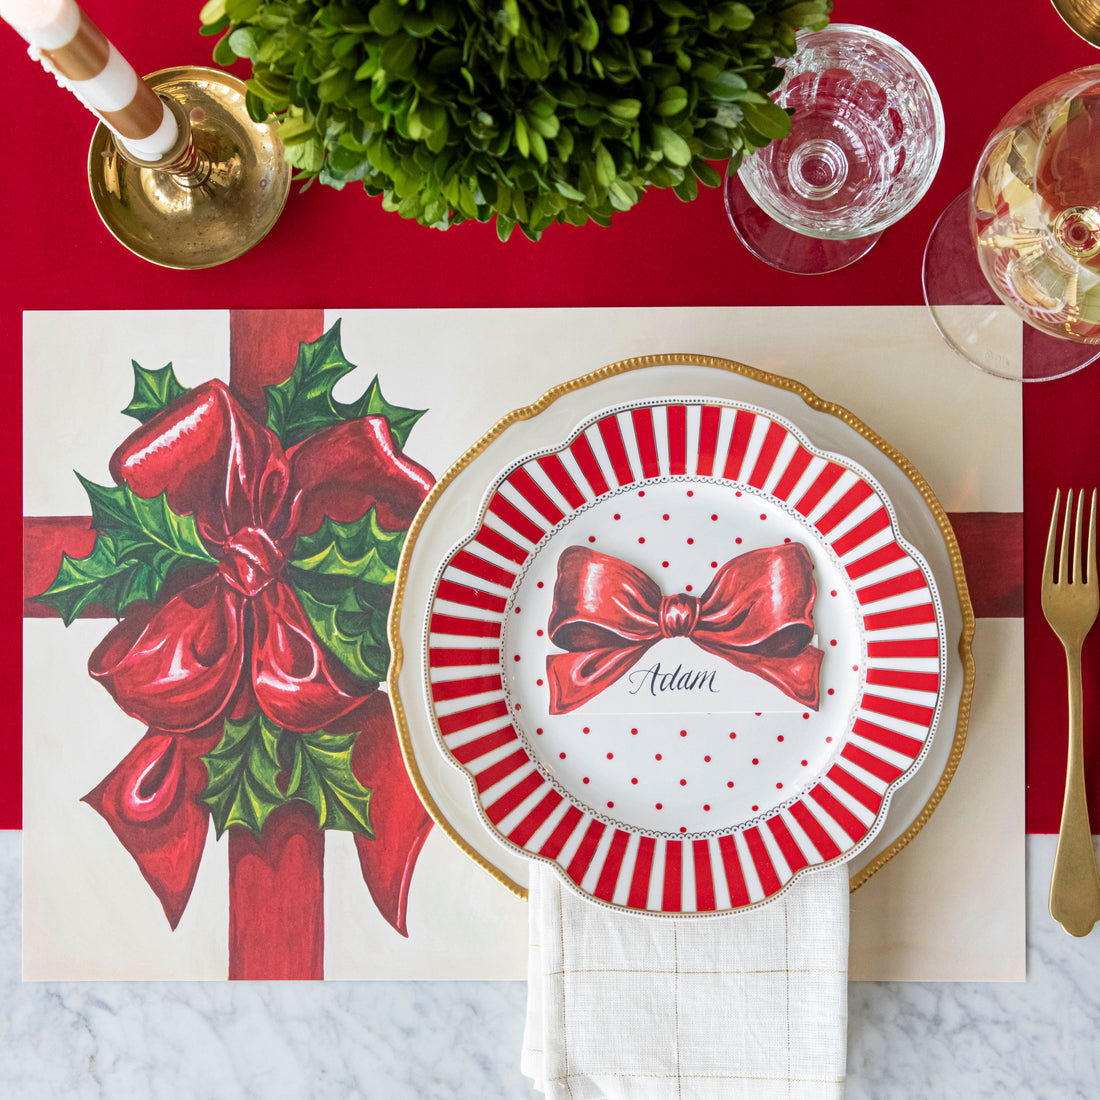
{"type": "Point", "coordinates": [657, 681]}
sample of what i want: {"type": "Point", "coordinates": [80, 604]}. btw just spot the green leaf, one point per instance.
{"type": "Point", "coordinates": [212, 11]}
{"type": "Point", "coordinates": [590, 35]}
{"type": "Point", "coordinates": [240, 10]}
{"type": "Point", "coordinates": [622, 195]}
{"type": "Point", "coordinates": [618, 21]}
{"type": "Point", "coordinates": [304, 403]}
{"type": "Point", "coordinates": [624, 109]}
{"type": "Point", "coordinates": [144, 530]}
{"type": "Point", "coordinates": [726, 86]}
{"type": "Point", "coordinates": [244, 43]}
{"type": "Point", "coordinates": [320, 774]}
{"type": "Point", "coordinates": [605, 166]}
{"type": "Point", "coordinates": [419, 24]}
{"type": "Point", "coordinates": [538, 147]}
{"type": "Point", "coordinates": [153, 390]}
{"type": "Point", "coordinates": [361, 551]}
{"type": "Point", "coordinates": [687, 189]}
{"type": "Point", "coordinates": [523, 139]}
{"type": "Point", "coordinates": [309, 155]}
{"type": "Point", "coordinates": [292, 130]}
{"type": "Point", "coordinates": [546, 125]}
{"type": "Point", "coordinates": [707, 174]}
{"type": "Point", "coordinates": [223, 53]}
{"type": "Point", "coordinates": [242, 773]}
{"type": "Point", "coordinates": [333, 87]}
{"type": "Point", "coordinates": [674, 99]}
{"type": "Point", "coordinates": [569, 191]}
{"type": "Point", "coordinates": [99, 579]}
{"type": "Point", "coordinates": [510, 23]}
{"type": "Point", "coordinates": [399, 55]}
{"type": "Point", "coordinates": [767, 119]}
{"type": "Point", "coordinates": [675, 149]}
{"type": "Point", "coordinates": [254, 105]}
{"type": "Point", "coordinates": [737, 17]}
{"type": "Point", "coordinates": [349, 631]}
{"type": "Point", "coordinates": [208, 30]}
{"type": "Point", "coordinates": [139, 543]}
{"type": "Point", "coordinates": [808, 14]}
{"type": "Point", "coordinates": [343, 575]}
{"type": "Point", "coordinates": [386, 17]}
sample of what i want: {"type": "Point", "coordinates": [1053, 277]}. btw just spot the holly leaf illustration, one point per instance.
{"type": "Point", "coordinates": [344, 574]}
{"type": "Point", "coordinates": [372, 403]}
{"type": "Point", "coordinates": [355, 635]}
{"type": "Point", "coordinates": [320, 774]}
{"type": "Point", "coordinates": [362, 550]}
{"type": "Point", "coordinates": [153, 390]}
{"type": "Point", "coordinates": [99, 579]}
{"type": "Point", "coordinates": [139, 543]}
{"type": "Point", "coordinates": [304, 403]}
{"type": "Point", "coordinates": [242, 770]}
{"type": "Point", "coordinates": [144, 529]}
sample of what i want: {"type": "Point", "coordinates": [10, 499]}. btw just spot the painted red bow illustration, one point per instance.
{"type": "Point", "coordinates": [756, 613]}
{"type": "Point", "coordinates": [251, 565]}
{"type": "Point", "coordinates": [237, 638]}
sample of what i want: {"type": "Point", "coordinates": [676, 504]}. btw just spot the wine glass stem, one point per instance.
{"type": "Point", "coordinates": [817, 169]}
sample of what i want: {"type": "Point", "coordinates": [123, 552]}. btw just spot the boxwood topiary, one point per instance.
{"type": "Point", "coordinates": [532, 111]}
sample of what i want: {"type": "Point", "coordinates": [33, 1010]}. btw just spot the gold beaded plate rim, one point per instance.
{"type": "Point", "coordinates": [724, 369]}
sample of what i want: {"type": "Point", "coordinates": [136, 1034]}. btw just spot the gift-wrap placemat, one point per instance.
{"type": "Point", "coordinates": [949, 906]}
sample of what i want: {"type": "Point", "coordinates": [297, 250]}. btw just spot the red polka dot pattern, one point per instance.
{"type": "Point", "coordinates": [760, 792]}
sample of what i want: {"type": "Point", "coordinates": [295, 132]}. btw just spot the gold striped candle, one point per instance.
{"type": "Point", "coordinates": [77, 52]}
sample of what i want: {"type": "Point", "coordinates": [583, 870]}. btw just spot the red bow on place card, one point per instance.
{"type": "Point", "coordinates": [251, 566]}
{"type": "Point", "coordinates": [756, 613]}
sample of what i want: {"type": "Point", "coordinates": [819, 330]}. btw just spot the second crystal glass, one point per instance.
{"type": "Point", "coordinates": [865, 142]}
{"type": "Point", "coordinates": [1028, 232]}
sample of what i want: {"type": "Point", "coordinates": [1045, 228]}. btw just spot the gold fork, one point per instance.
{"type": "Point", "coordinates": [1070, 603]}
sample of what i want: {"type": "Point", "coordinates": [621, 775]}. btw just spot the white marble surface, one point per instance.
{"type": "Point", "coordinates": [459, 1040]}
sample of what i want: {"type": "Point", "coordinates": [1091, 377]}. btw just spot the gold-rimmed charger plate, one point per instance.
{"type": "Point", "coordinates": [436, 530]}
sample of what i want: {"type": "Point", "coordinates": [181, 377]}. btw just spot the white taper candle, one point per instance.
{"type": "Point", "coordinates": [70, 46]}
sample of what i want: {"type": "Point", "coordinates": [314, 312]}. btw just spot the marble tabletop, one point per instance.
{"type": "Point", "coordinates": [458, 1040]}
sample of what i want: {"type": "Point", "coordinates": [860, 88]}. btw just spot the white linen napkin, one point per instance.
{"type": "Point", "coordinates": [751, 1006]}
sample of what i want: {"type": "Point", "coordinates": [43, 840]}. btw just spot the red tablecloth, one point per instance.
{"type": "Point", "coordinates": [340, 249]}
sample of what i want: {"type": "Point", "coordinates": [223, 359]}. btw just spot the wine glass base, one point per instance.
{"type": "Point", "coordinates": [975, 322]}
{"type": "Point", "coordinates": [783, 248]}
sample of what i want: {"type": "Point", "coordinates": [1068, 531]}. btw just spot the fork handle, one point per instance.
{"type": "Point", "coordinates": [1075, 884]}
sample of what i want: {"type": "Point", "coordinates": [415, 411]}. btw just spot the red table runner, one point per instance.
{"type": "Point", "coordinates": [341, 249]}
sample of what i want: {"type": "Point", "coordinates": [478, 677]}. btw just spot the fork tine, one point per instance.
{"type": "Point", "coordinates": [1063, 553]}
{"type": "Point", "coordinates": [1078, 550]}
{"type": "Point", "coordinates": [1048, 561]}
{"type": "Point", "coordinates": [1092, 542]}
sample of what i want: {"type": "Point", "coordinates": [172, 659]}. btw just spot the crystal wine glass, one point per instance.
{"type": "Point", "coordinates": [866, 139]}
{"type": "Point", "coordinates": [1027, 235]}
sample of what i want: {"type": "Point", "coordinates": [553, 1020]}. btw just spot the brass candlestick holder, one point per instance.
{"type": "Point", "coordinates": [1082, 17]}
{"type": "Point", "coordinates": [211, 198]}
